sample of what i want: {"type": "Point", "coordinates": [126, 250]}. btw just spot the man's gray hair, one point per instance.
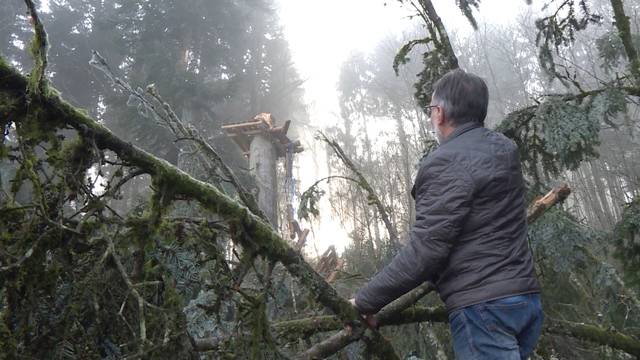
{"type": "Point", "coordinates": [464, 97]}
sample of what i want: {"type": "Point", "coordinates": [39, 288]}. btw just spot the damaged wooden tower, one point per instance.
{"type": "Point", "coordinates": [263, 143]}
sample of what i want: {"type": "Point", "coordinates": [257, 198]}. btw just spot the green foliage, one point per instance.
{"type": "Point", "coordinates": [577, 283]}
{"type": "Point", "coordinates": [439, 57]}
{"type": "Point", "coordinates": [75, 158]}
{"type": "Point", "coordinates": [436, 63]}
{"type": "Point", "coordinates": [562, 132]}
{"type": "Point", "coordinates": [61, 293]}
{"type": "Point", "coordinates": [627, 242]}
{"type": "Point", "coordinates": [570, 131]}
{"type": "Point", "coordinates": [611, 49]}
{"type": "Point", "coordinates": [252, 311]}
{"type": "Point", "coordinates": [560, 28]}
{"type": "Point", "coordinates": [466, 8]}
{"type": "Point", "coordinates": [309, 201]}
{"type": "Point", "coordinates": [555, 238]}
{"type": "Point", "coordinates": [8, 348]}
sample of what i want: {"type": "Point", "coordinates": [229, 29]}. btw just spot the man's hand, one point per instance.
{"type": "Point", "coordinates": [369, 319]}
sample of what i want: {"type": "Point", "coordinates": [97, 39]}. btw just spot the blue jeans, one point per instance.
{"type": "Point", "coordinates": [502, 329]}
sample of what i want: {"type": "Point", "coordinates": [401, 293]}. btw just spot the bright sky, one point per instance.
{"type": "Point", "coordinates": [322, 34]}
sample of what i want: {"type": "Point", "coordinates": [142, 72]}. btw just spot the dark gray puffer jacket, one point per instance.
{"type": "Point", "coordinates": [470, 234]}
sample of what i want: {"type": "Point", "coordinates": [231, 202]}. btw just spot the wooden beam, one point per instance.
{"type": "Point", "coordinates": [240, 126]}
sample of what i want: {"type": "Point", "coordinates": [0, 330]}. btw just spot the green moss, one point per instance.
{"type": "Point", "coordinates": [597, 335]}
{"type": "Point", "coordinates": [8, 109]}
{"type": "Point", "coordinates": [37, 85]}
{"type": "Point", "coordinates": [8, 348]}
{"type": "Point", "coordinates": [160, 200]}
{"type": "Point", "coordinates": [172, 298]}
{"type": "Point", "coordinates": [37, 126]}
{"type": "Point", "coordinates": [4, 152]}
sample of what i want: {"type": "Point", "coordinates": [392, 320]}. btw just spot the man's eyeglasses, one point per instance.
{"type": "Point", "coordinates": [429, 108]}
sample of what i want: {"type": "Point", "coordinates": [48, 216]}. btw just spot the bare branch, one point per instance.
{"type": "Point", "coordinates": [372, 197]}
{"type": "Point", "coordinates": [331, 345]}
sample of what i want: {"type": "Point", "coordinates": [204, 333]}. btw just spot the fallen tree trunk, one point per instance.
{"type": "Point", "coordinates": [388, 315]}
{"type": "Point", "coordinates": [595, 334]}
{"type": "Point", "coordinates": [416, 314]}
{"type": "Point", "coordinates": [304, 328]}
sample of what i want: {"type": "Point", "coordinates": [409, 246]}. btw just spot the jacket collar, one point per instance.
{"type": "Point", "coordinates": [457, 132]}
{"type": "Point", "coordinates": [461, 130]}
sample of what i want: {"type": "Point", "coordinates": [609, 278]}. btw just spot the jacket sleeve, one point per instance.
{"type": "Point", "coordinates": [443, 194]}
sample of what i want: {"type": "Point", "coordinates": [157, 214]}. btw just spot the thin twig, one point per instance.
{"type": "Point", "coordinates": [26, 255]}
{"type": "Point", "coordinates": [133, 291]}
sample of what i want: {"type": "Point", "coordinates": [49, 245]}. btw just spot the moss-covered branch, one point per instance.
{"type": "Point", "coordinates": [304, 328]}
{"type": "Point", "coordinates": [595, 334]}
{"type": "Point", "coordinates": [404, 302]}
{"type": "Point", "coordinates": [624, 31]}
{"type": "Point", "coordinates": [331, 345]}
{"type": "Point", "coordinates": [38, 48]}
{"type": "Point", "coordinates": [444, 44]}
{"type": "Point", "coordinates": [587, 332]}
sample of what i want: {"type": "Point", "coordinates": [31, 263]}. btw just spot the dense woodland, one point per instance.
{"type": "Point", "coordinates": [132, 227]}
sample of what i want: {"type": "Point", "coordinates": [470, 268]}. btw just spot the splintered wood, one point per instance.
{"type": "Point", "coordinates": [262, 124]}
{"type": "Point", "coordinates": [558, 194]}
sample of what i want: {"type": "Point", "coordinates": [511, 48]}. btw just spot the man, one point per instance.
{"type": "Point", "coordinates": [470, 234]}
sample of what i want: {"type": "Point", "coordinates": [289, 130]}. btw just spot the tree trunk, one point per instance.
{"type": "Point", "coordinates": [406, 171]}
{"type": "Point", "coordinates": [262, 162]}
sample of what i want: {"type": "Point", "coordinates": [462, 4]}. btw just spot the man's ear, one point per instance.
{"type": "Point", "coordinates": [439, 116]}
